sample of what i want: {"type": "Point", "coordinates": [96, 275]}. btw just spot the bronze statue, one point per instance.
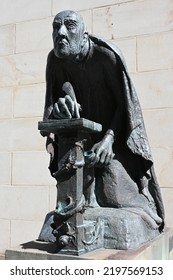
{"type": "Point", "coordinates": [87, 77]}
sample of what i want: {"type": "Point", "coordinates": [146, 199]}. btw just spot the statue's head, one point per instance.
{"type": "Point", "coordinates": [69, 35]}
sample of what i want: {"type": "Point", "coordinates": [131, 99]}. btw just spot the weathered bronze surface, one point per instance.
{"type": "Point", "coordinates": [107, 191]}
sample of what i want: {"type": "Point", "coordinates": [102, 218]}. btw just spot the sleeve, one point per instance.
{"type": "Point", "coordinates": [114, 81]}
{"type": "Point", "coordinates": [48, 107]}
{"type": "Point", "coordinates": [49, 97]}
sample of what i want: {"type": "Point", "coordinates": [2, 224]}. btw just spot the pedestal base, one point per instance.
{"type": "Point", "coordinates": [109, 228]}
{"type": "Point", "coordinates": [161, 248]}
{"type": "Point", "coordinates": [123, 228]}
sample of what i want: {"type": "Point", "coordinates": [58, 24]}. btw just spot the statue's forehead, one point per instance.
{"type": "Point", "coordinates": [67, 16]}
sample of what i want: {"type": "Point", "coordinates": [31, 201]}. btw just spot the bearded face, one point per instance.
{"type": "Point", "coordinates": [68, 34]}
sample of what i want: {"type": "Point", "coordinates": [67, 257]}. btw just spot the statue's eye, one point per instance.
{"type": "Point", "coordinates": [70, 25]}
{"type": "Point", "coordinates": [56, 25]}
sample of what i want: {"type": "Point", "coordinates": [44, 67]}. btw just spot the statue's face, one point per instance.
{"type": "Point", "coordinates": [68, 34]}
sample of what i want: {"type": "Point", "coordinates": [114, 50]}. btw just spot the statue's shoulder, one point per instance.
{"type": "Point", "coordinates": [108, 48]}
{"type": "Point", "coordinates": [53, 62]}
{"type": "Point", "coordinates": [51, 56]}
{"type": "Point", "coordinates": [101, 42]}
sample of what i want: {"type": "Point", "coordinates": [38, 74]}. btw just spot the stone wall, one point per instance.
{"type": "Point", "coordinates": [143, 29]}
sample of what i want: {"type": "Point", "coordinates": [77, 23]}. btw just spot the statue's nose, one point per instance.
{"type": "Point", "coordinates": [62, 30]}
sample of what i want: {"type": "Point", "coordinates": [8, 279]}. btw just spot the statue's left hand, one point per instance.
{"type": "Point", "coordinates": [103, 151]}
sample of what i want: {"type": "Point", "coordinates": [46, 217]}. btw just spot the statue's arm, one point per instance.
{"type": "Point", "coordinates": [49, 101]}
{"type": "Point", "coordinates": [113, 78]}
{"type": "Point", "coordinates": [114, 81]}
{"type": "Point", "coordinates": [49, 97]}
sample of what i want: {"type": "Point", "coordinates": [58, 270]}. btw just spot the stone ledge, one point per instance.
{"type": "Point", "coordinates": [2, 257]}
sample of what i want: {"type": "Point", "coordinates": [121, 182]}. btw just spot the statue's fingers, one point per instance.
{"type": "Point", "coordinates": [103, 157]}
{"type": "Point", "coordinates": [70, 104]}
{"type": "Point", "coordinates": [108, 158]}
{"type": "Point", "coordinates": [56, 111]}
{"type": "Point", "coordinates": [97, 158]}
{"type": "Point", "coordinates": [64, 115]}
{"type": "Point", "coordinates": [112, 156]}
{"type": "Point", "coordinates": [93, 160]}
{"type": "Point", "coordinates": [79, 107]}
{"type": "Point", "coordinates": [76, 110]}
{"type": "Point", "coordinates": [64, 111]}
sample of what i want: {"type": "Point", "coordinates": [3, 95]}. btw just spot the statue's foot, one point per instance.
{"type": "Point", "coordinates": [153, 214]}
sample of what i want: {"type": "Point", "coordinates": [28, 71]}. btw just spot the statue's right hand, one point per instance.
{"type": "Point", "coordinates": [64, 108]}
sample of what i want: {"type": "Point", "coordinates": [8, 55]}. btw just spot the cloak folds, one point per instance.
{"type": "Point", "coordinates": [136, 138]}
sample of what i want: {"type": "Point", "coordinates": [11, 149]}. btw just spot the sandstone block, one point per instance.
{"type": "Point", "coordinates": [82, 4]}
{"type": "Point", "coordinates": [7, 39]}
{"type": "Point", "coordinates": [29, 100]}
{"type": "Point", "coordinates": [158, 124]}
{"type": "Point", "coordinates": [8, 72]}
{"type": "Point", "coordinates": [4, 235]}
{"type": "Point", "coordinates": [167, 194]}
{"type": "Point", "coordinates": [154, 52]}
{"type": "Point", "coordinates": [39, 35]}
{"type": "Point", "coordinates": [22, 10]}
{"type": "Point", "coordinates": [24, 203]}
{"type": "Point", "coordinates": [154, 88]}
{"type": "Point", "coordinates": [5, 139]}
{"type": "Point", "coordinates": [87, 16]}
{"type": "Point", "coordinates": [6, 99]}
{"type": "Point", "coordinates": [163, 160]}
{"type": "Point", "coordinates": [133, 18]}
{"type": "Point", "coordinates": [25, 135]}
{"type": "Point", "coordinates": [24, 68]}
{"type": "Point", "coordinates": [31, 168]}
{"type": "Point", "coordinates": [24, 231]}
{"type": "Point", "coordinates": [128, 48]}
{"type": "Point", "coordinates": [21, 135]}
{"type": "Point", "coordinates": [30, 67]}
{"type": "Point", "coordinates": [5, 168]}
